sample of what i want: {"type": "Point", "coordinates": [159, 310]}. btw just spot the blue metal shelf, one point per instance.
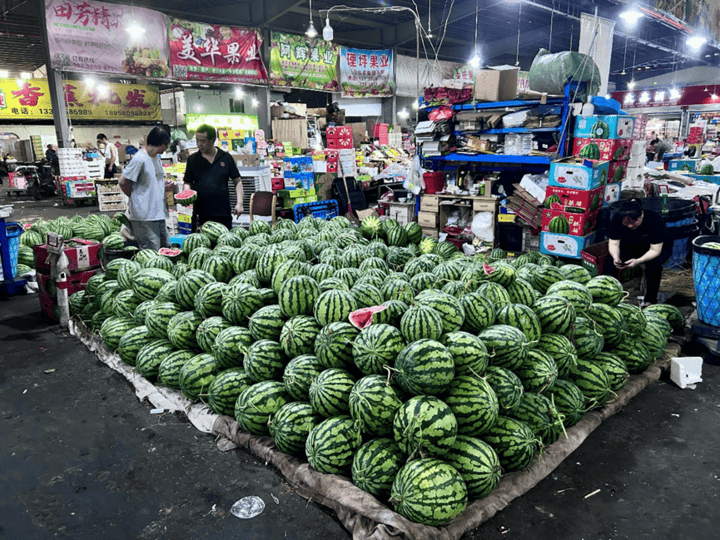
{"type": "Point", "coordinates": [493, 158]}
{"type": "Point", "coordinates": [498, 131]}
{"type": "Point", "coordinates": [485, 105]}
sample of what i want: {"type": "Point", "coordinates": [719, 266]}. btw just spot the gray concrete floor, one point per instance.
{"type": "Point", "coordinates": [83, 459]}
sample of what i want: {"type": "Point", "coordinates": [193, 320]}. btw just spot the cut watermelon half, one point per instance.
{"type": "Point", "coordinates": [362, 318]}
{"type": "Point", "coordinates": [186, 197]}
{"type": "Point", "coordinates": [170, 253]}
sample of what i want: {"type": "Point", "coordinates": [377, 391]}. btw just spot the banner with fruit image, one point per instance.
{"type": "Point", "coordinates": [301, 62]}
{"type": "Point", "coordinates": [366, 73]}
{"type": "Point", "coordinates": [108, 38]}
{"type": "Point", "coordinates": [212, 52]}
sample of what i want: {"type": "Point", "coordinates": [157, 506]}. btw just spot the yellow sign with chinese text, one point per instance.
{"type": "Point", "coordinates": [30, 100]}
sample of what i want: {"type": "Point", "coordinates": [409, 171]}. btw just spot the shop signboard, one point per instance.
{"type": "Point", "coordinates": [29, 99]}
{"type": "Point", "coordinates": [300, 62]}
{"type": "Point", "coordinates": [366, 73]}
{"type": "Point", "coordinates": [84, 35]}
{"type": "Point", "coordinates": [235, 122]}
{"type": "Point", "coordinates": [212, 52]}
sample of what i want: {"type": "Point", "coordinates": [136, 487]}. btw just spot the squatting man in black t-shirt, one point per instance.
{"type": "Point", "coordinates": [207, 172]}
{"type": "Point", "coordinates": [638, 237]}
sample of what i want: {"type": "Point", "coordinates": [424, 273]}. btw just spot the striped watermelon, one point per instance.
{"type": "Point", "coordinates": [477, 463]}
{"type": "Point", "coordinates": [424, 426]}
{"type": "Point", "coordinates": [562, 351]}
{"type": "Point", "coordinates": [376, 346]}
{"type": "Point", "coordinates": [170, 367]}
{"type": "Point", "coordinates": [348, 275]}
{"type": "Point", "coordinates": [320, 271]}
{"type": "Point", "coordinates": [576, 273]}
{"type": "Point", "coordinates": [507, 345]}
{"type": "Point", "coordinates": [609, 322]}
{"type": "Point", "coordinates": [257, 403]}
{"type": "Point", "coordinates": [537, 372]}
{"type": "Point", "coordinates": [334, 343]}
{"type": "Point", "coordinates": [429, 491]}
{"type": "Point", "coordinates": [474, 404]}
{"type": "Point", "coordinates": [287, 269]}
{"type": "Point", "coordinates": [194, 241]}
{"type": "Point", "coordinates": [375, 465]}
{"type": "Point", "coordinates": [333, 283]}
{"type": "Point", "coordinates": [297, 296]}
{"type": "Point", "coordinates": [182, 329]}
{"type": "Point", "coordinates": [290, 426]}
{"type": "Point", "coordinates": [587, 340]}
{"type": "Point", "coordinates": [671, 314]}
{"type": "Point", "coordinates": [590, 377]}
{"type": "Point", "coordinates": [330, 392]}
{"type": "Point", "coordinates": [448, 307]}
{"type": "Point", "coordinates": [208, 330]}
{"type": "Point", "coordinates": [189, 284]}
{"type": "Point", "coordinates": [396, 289]}
{"type": "Point", "coordinates": [615, 369]}
{"type": "Point", "coordinates": [468, 351]}
{"type": "Point", "coordinates": [569, 401]}
{"type": "Point", "coordinates": [635, 355]}
{"type": "Point", "coordinates": [126, 273]}
{"type": "Point", "coordinates": [555, 313]}
{"type": "Point", "coordinates": [268, 296]}
{"type": "Point", "coordinates": [455, 288]}
{"type": "Point", "coordinates": [373, 403]}
{"type": "Point", "coordinates": [334, 306]}
{"type": "Point", "coordinates": [418, 266]}
{"type": "Point", "coordinates": [198, 257]}
{"type": "Point", "coordinates": [331, 445]}
{"type": "Point", "coordinates": [196, 375]}
{"type": "Point", "coordinates": [208, 300]}
{"type": "Point", "coordinates": [521, 292]}
{"type": "Point", "coordinates": [114, 328]}
{"type": "Point", "coordinates": [268, 262]}
{"type": "Point", "coordinates": [656, 335]}
{"type": "Point", "coordinates": [539, 414]}
{"type": "Point", "coordinates": [421, 322]}
{"type": "Point", "coordinates": [267, 323]}
{"type": "Point", "coordinates": [299, 374]}
{"type": "Point", "coordinates": [606, 290]}
{"type": "Point", "coordinates": [575, 293]}
{"type": "Point", "coordinates": [507, 386]}
{"type": "Point", "coordinates": [218, 267]}
{"type": "Point", "coordinates": [424, 367]}
{"type": "Point", "coordinates": [264, 361]}
{"type": "Point", "coordinates": [521, 317]}
{"type": "Point", "coordinates": [366, 295]}
{"type": "Point", "coordinates": [514, 442]}
{"type": "Point", "coordinates": [423, 281]}
{"type": "Point", "coordinates": [497, 294]}
{"type": "Point", "coordinates": [228, 345]}
{"type": "Point", "coordinates": [298, 336]}
{"type": "Point", "coordinates": [132, 341]}
{"type": "Point", "coordinates": [240, 302]}
{"type": "Point", "coordinates": [213, 230]}
{"type": "Point", "coordinates": [500, 273]}
{"type": "Point", "coordinates": [225, 389]}
{"type": "Point", "coordinates": [167, 293]}
{"type": "Point", "coordinates": [479, 312]}
{"type": "Point", "coordinates": [393, 313]}
{"type": "Point", "coordinates": [244, 259]}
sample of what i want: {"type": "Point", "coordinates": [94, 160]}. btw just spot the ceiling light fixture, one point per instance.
{"type": "Point", "coordinates": [629, 98]}
{"type": "Point", "coordinates": [255, 102]}
{"type": "Point", "coordinates": [26, 75]}
{"type": "Point", "coordinates": [631, 85]}
{"type": "Point", "coordinates": [695, 42]}
{"type": "Point", "coordinates": [102, 89]}
{"type": "Point", "coordinates": [135, 30]}
{"type": "Point", "coordinates": [328, 33]}
{"type": "Point", "coordinates": [713, 97]}
{"type": "Point", "coordinates": [4, 73]}
{"type": "Point", "coordinates": [631, 16]}
{"type": "Point", "coordinates": [475, 60]}
{"type": "Point", "coordinates": [239, 93]}
{"type": "Point", "coordinates": [311, 32]}
{"type": "Point", "coordinates": [403, 113]}
{"type": "Point", "coordinates": [429, 31]}
{"type": "Point", "coordinates": [90, 82]}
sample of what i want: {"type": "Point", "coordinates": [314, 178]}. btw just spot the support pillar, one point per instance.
{"type": "Point", "coordinates": [55, 83]}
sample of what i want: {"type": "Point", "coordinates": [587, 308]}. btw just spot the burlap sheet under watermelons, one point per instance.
{"type": "Point", "coordinates": [360, 512]}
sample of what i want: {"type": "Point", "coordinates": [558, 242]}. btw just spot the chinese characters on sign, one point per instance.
{"type": "Point", "coordinates": [201, 51]}
{"type": "Point", "coordinates": [366, 73]}
{"type": "Point", "coordinates": [31, 100]}
{"type": "Point", "coordinates": [299, 62]}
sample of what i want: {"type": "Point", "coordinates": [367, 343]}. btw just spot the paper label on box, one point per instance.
{"type": "Point", "coordinates": [83, 256]}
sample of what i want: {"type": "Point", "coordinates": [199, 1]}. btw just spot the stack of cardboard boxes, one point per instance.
{"type": "Point", "coordinates": [299, 181]}
{"type": "Point", "coordinates": [84, 257]}
{"type": "Point", "coordinates": [339, 137]}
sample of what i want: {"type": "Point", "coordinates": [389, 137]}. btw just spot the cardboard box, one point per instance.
{"type": "Point", "coordinates": [295, 193]}
{"type": "Point", "coordinates": [684, 165]}
{"type": "Point", "coordinates": [82, 255]}
{"type": "Point", "coordinates": [277, 183]}
{"type": "Point", "coordinates": [564, 245]}
{"type": "Point", "coordinates": [338, 143]}
{"type": "Point", "coordinates": [578, 173]}
{"type": "Point", "coordinates": [587, 200]}
{"type": "Point", "coordinates": [246, 160]}
{"type": "Point", "coordinates": [612, 193]}
{"type": "Point", "coordinates": [617, 171]}
{"type": "Point", "coordinates": [319, 166]}
{"type": "Point", "coordinates": [332, 155]}
{"type": "Point", "coordinates": [593, 257]}
{"type": "Point", "coordinates": [184, 218]}
{"type": "Point", "coordinates": [427, 219]}
{"type": "Point", "coordinates": [610, 149]}
{"type": "Point", "coordinates": [579, 224]}
{"type": "Point", "coordinates": [496, 84]}
{"type": "Point", "coordinates": [429, 203]}
{"type": "Point", "coordinates": [338, 132]}
{"type": "Point", "coordinates": [617, 126]}
{"type": "Point", "coordinates": [75, 282]}
{"type": "Point", "coordinates": [332, 167]}
{"type": "Point", "coordinates": [432, 233]}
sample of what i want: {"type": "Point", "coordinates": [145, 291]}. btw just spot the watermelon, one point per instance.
{"type": "Point", "coordinates": [169, 369]}
{"type": "Point", "coordinates": [569, 401]}
{"type": "Point", "coordinates": [331, 445]}
{"type": "Point", "coordinates": [182, 328]}
{"type": "Point", "coordinates": [334, 345]}
{"type": "Point", "coordinates": [290, 426]}
{"type": "Point", "coordinates": [606, 290]}
{"type": "Point", "coordinates": [555, 313]}
{"type": "Point", "coordinates": [208, 300]}
{"type": "Point", "coordinates": [186, 197]}
{"type": "Point", "coordinates": [196, 375]}
{"type": "Point", "coordinates": [537, 372]}
{"type": "Point", "coordinates": [298, 335]}
{"type": "Point", "coordinates": [575, 272]}
{"type": "Point", "coordinates": [330, 392]}
{"type": "Point", "coordinates": [477, 463]}
{"type": "Point", "coordinates": [506, 345]}
{"type": "Point", "coordinates": [497, 294]}
{"type": "Point", "coordinates": [468, 351]}
{"type": "Point", "coordinates": [114, 328]}
{"type": "Point", "coordinates": [545, 276]}
{"type": "Point", "coordinates": [540, 415]}
{"type": "Point", "coordinates": [373, 403]}
{"type": "Point", "coordinates": [240, 302]}
{"type": "Point", "coordinates": [257, 403]}
{"type": "Point", "coordinates": [208, 330]}
{"type": "Point", "coordinates": [297, 296]}
{"type": "Point", "coordinates": [421, 322]}
{"type": "Point", "coordinates": [147, 282]}
{"type": "Point", "coordinates": [609, 322]}
{"type": "Point", "coordinates": [424, 426]}
{"type": "Point", "coordinates": [334, 306]}
{"type": "Point", "coordinates": [670, 313]}
{"type": "Point", "coordinates": [635, 355]}
{"type": "Point", "coordinates": [514, 442]}
{"type": "Point", "coordinates": [507, 386]}
{"type": "Point", "coordinates": [264, 360]}
{"type": "Point", "coordinates": [479, 312]}
{"type": "Point", "coordinates": [424, 367]}
{"type": "Point", "coordinates": [474, 404]}
{"type": "Point", "coordinates": [590, 377]}
{"type": "Point", "coordinates": [225, 389]}
{"type": "Point", "coordinates": [194, 241]}
{"type": "Point", "coordinates": [562, 351]}
{"type": "Point", "coordinates": [450, 309]}
{"type": "Point", "coordinates": [218, 267]}
{"type": "Point", "coordinates": [375, 465]}
{"type": "Point", "coordinates": [587, 339]}
{"type": "Point", "coordinates": [615, 369]}
{"type": "Point", "coordinates": [429, 491]}
{"type": "Point", "coordinates": [364, 317]}
{"type": "Point", "coordinates": [299, 374]}
{"type": "Point", "coordinates": [267, 323]}
{"type": "Point", "coordinates": [521, 317]}
{"type": "Point", "coordinates": [131, 342]}
{"type": "Point", "coordinates": [375, 347]}
{"type": "Point", "coordinates": [521, 291]}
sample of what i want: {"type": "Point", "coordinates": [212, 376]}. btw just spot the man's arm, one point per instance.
{"type": "Point", "coordinates": [652, 253]}
{"type": "Point", "coordinates": [239, 192]}
{"type": "Point", "coordinates": [614, 250]}
{"type": "Point", "coordinates": [125, 185]}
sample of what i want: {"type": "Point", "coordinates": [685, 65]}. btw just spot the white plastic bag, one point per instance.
{"type": "Point", "coordinates": [414, 182]}
{"type": "Point", "coordinates": [482, 226]}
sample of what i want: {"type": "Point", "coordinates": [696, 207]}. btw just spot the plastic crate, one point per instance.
{"type": "Point", "coordinates": [13, 232]}
{"type": "Point", "coordinates": [321, 209]}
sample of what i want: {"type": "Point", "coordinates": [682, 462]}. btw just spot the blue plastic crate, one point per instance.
{"type": "Point", "coordinates": [321, 209]}
{"type": "Point", "coordinates": [706, 276]}
{"type": "Point", "coordinates": [13, 232]}
{"type": "Point", "coordinates": [184, 228]}
{"type": "Point", "coordinates": [178, 240]}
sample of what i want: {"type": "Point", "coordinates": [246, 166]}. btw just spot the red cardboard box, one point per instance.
{"type": "Point", "coordinates": [331, 132]}
{"type": "Point", "coordinates": [81, 254]}
{"type": "Point", "coordinates": [343, 132]}
{"type": "Point", "coordinates": [579, 224]}
{"type": "Point", "coordinates": [75, 282]}
{"type": "Point", "coordinates": [617, 171]}
{"type": "Point", "coordinates": [339, 143]}
{"type": "Point", "coordinates": [49, 307]}
{"type": "Point", "coordinates": [332, 167]}
{"type": "Point", "coordinates": [277, 183]}
{"type": "Point", "coordinates": [331, 155]}
{"type": "Point", "coordinates": [610, 149]}
{"type": "Point", "coordinates": [589, 200]}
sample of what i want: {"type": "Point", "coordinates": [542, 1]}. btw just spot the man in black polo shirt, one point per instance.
{"type": "Point", "coordinates": [639, 236]}
{"type": "Point", "coordinates": [208, 172]}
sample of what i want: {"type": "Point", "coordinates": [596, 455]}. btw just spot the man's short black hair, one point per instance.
{"type": "Point", "coordinates": [101, 137]}
{"type": "Point", "coordinates": [207, 130]}
{"type": "Point", "coordinates": [630, 208]}
{"type": "Point", "coordinates": [158, 136]}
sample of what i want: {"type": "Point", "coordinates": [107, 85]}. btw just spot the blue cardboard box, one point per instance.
{"type": "Point", "coordinates": [579, 173]}
{"type": "Point", "coordinates": [687, 165]}
{"type": "Point", "coordinates": [604, 127]}
{"type": "Point", "coordinates": [564, 245]}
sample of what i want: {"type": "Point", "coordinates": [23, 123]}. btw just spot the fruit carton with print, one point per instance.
{"type": "Point", "coordinates": [684, 165]}
{"type": "Point", "coordinates": [612, 193]}
{"type": "Point", "coordinates": [556, 220]}
{"type": "Point", "coordinates": [604, 127]}
{"type": "Point", "coordinates": [617, 171]}
{"type": "Point", "coordinates": [578, 199]}
{"type": "Point", "coordinates": [578, 173]}
{"type": "Point", "coordinates": [602, 149]}
{"type": "Point", "coordinates": [564, 245]}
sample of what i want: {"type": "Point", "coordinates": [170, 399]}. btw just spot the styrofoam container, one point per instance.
{"type": "Point", "coordinates": [686, 371]}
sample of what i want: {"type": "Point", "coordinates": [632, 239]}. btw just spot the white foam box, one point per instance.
{"type": "Point", "coordinates": [686, 371]}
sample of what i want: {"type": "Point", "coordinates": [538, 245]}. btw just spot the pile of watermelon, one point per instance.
{"type": "Point", "coordinates": [463, 368]}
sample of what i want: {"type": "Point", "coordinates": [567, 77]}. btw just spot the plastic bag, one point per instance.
{"type": "Point", "coordinates": [482, 226]}
{"type": "Point", "coordinates": [441, 113]}
{"type": "Point", "coordinates": [551, 72]}
{"type": "Point", "coordinates": [414, 183]}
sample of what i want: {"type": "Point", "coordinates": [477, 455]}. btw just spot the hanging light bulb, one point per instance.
{"type": "Point", "coordinates": [403, 113]}
{"type": "Point", "coordinates": [311, 32]}
{"type": "Point", "coordinates": [415, 105]}
{"type": "Point", "coordinates": [475, 61]}
{"type": "Point", "coordinates": [328, 33]}
{"type": "Point", "coordinates": [631, 85]}
{"type": "Point", "coordinates": [631, 16]}
{"type": "Point", "coordinates": [695, 42]}
{"type": "Point", "coordinates": [239, 93]}
{"type": "Point", "coordinates": [660, 96]}
{"type": "Point", "coordinates": [674, 93]}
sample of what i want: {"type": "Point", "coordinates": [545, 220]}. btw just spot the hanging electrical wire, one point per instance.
{"type": "Point", "coordinates": [517, 48]}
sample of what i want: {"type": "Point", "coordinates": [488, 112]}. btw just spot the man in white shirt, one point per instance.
{"type": "Point", "coordinates": [143, 180]}
{"type": "Point", "coordinates": [110, 153]}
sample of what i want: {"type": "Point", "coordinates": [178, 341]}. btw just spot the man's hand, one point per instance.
{"type": "Point", "coordinates": [238, 209]}
{"type": "Point", "coordinates": [631, 263]}
{"type": "Point", "coordinates": [618, 263]}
